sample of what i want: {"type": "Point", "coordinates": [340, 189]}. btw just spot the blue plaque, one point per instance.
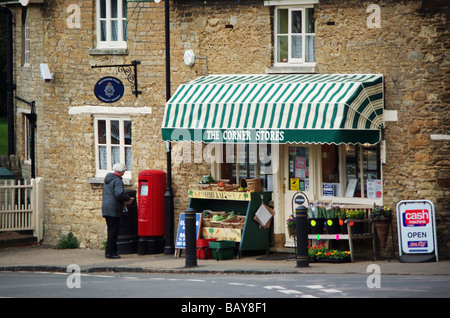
{"type": "Point", "coordinates": [109, 89]}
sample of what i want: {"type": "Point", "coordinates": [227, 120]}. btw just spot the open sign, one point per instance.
{"type": "Point", "coordinates": [416, 228]}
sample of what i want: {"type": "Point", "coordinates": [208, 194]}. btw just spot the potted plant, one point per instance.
{"type": "Point", "coordinates": [341, 215]}
{"type": "Point", "coordinates": [381, 216]}
{"type": "Point", "coordinates": [291, 225]}
{"type": "Point", "coordinates": [357, 227]}
{"type": "Point", "coordinates": [332, 220]}
{"type": "Point", "coordinates": [316, 215]}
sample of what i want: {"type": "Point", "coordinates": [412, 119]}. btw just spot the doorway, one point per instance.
{"type": "Point", "coordinates": [298, 174]}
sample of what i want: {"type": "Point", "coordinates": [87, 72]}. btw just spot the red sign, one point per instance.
{"type": "Point", "coordinates": [416, 217]}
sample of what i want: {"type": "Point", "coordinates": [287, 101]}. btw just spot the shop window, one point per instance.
{"type": "Point", "coordinates": [330, 170]}
{"type": "Point", "coordinates": [299, 169]}
{"type": "Point", "coordinates": [113, 141]}
{"type": "Point", "coordinates": [351, 171]}
{"type": "Point", "coordinates": [111, 23]}
{"type": "Point", "coordinates": [294, 36]}
{"type": "Point", "coordinates": [248, 161]}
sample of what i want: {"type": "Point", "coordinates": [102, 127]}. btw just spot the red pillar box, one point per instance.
{"type": "Point", "coordinates": [151, 211]}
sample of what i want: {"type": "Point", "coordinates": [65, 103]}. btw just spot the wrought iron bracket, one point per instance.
{"type": "Point", "coordinates": [32, 117]}
{"type": "Point", "coordinates": [127, 69]}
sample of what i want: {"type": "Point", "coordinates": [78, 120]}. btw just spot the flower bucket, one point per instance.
{"type": "Point", "coordinates": [382, 228]}
{"type": "Point", "coordinates": [357, 227]}
{"type": "Point", "coordinates": [343, 226]}
{"type": "Point", "coordinates": [316, 225]}
{"type": "Point", "coordinates": [332, 226]}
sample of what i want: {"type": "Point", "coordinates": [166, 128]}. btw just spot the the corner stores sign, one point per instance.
{"type": "Point", "coordinates": [416, 224]}
{"type": "Point", "coordinates": [226, 135]}
{"type": "Point", "coordinates": [243, 135]}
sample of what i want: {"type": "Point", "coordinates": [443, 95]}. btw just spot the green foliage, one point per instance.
{"type": "Point", "coordinates": [333, 213]}
{"type": "Point", "coordinates": [380, 213]}
{"type": "Point", "coordinates": [355, 214]}
{"type": "Point", "coordinates": [68, 241]}
{"type": "Point", "coordinates": [3, 136]}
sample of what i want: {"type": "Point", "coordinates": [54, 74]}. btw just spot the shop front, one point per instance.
{"type": "Point", "coordinates": [319, 134]}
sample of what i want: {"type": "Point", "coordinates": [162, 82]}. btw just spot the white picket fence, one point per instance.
{"type": "Point", "coordinates": [22, 206]}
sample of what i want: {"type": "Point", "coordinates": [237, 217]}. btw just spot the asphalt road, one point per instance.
{"type": "Point", "coordinates": [249, 287]}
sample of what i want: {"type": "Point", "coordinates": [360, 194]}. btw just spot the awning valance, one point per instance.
{"type": "Point", "coordinates": [318, 108]}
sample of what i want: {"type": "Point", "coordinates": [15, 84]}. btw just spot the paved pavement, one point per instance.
{"type": "Point", "coordinates": [45, 258]}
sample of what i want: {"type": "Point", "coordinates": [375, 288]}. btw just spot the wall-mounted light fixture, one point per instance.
{"type": "Point", "coordinates": [45, 72]}
{"type": "Point", "coordinates": [189, 59]}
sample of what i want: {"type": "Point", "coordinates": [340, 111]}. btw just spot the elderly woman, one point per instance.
{"type": "Point", "coordinates": [114, 198]}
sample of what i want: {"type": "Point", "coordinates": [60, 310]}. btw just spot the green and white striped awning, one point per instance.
{"type": "Point", "coordinates": [318, 108]}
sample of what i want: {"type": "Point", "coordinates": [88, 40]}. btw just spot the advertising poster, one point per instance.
{"type": "Point", "coordinates": [300, 167]}
{"type": "Point", "coordinates": [374, 188]}
{"type": "Point", "coordinates": [180, 242]}
{"type": "Point", "coordinates": [416, 225]}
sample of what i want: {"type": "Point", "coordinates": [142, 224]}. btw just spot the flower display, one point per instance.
{"type": "Point", "coordinates": [291, 225]}
{"type": "Point", "coordinates": [291, 220]}
{"type": "Point", "coordinates": [380, 213]}
{"type": "Point", "coordinates": [319, 253]}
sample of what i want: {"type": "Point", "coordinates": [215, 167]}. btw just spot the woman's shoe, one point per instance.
{"type": "Point", "coordinates": [112, 256]}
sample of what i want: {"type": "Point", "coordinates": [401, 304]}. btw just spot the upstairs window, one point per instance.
{"type": "Point", "coordinates": [111, 23]}
{"type": "Point", "coordinates": [25, 37]}
{"type": "Point", "coordinates": [294, 36]}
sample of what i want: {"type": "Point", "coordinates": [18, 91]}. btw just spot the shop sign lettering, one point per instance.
{"type": "Point", "coordinates": [243, 135]}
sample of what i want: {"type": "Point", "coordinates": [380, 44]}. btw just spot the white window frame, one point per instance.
{"type": "Point", "coordinates": [26, 38]}
{"type": "Point", "coordinates": [27, 139]}
{"type": "Point", "coordinates": [99, 173]}
{"type": "Point", "coordinates": [121, 42]}
{"type": "Point", "coordinates": [292, 61]}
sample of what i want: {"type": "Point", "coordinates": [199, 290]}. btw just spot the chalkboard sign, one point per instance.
{"type": "Point", "coordinates": [181, 234]}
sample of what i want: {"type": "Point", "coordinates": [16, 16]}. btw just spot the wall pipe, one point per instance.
{"type": "Point", "coordinates": [169, 246]}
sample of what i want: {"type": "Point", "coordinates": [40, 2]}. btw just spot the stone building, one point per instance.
{"type": "Point", "coordinates": [405, 42]}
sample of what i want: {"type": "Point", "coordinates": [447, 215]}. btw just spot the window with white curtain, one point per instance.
{"type": "Point", "coordinates": [111, 23]}
{"type": "Point", "coordinates": [294, 35]}
{"type": "Point", "coordinates": [113, 141]}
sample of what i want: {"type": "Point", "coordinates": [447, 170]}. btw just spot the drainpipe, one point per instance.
{"type": "Point", "coordinates": [9, 80]}
{"type": "Point", "coordinates": [170, 246]}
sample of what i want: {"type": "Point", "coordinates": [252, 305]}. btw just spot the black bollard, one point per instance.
{"type": "Point", "coordinates": [302, 236]}
{"type": "Point", "coordinates": [191, 238]}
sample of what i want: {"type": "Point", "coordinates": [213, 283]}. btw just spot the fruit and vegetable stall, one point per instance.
{"type": "Point", "coordinates": [236, 213]}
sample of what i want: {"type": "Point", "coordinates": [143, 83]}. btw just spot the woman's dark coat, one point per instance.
{"type": "Point", "coordinates": [113, 196]}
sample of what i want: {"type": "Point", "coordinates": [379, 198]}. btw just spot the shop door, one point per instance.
{"type": "Point", "coordinates": [297, 177]}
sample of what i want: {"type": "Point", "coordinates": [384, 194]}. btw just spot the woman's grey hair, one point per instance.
{"type": "Point", "coordinates": [119, 167]}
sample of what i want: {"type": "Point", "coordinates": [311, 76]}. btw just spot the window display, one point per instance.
{"type": "Point", "coordinates": [248, 161]}
{"type": "Point", "coordinates": [330, 170]}
{"type": "Point", "coordinates": [351, 171]}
